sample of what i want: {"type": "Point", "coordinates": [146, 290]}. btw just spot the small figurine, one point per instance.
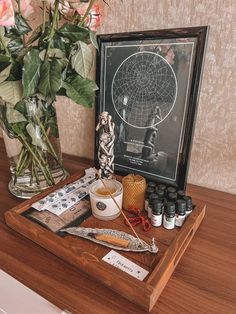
{"type": "Point", "coordinates": [106, 145]}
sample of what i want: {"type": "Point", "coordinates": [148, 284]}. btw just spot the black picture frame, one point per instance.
{"type": "Point", "coordinates": [149, 82]}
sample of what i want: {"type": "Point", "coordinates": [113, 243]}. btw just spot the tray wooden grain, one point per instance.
{"type": "Point", "coordinates": [87, 256]}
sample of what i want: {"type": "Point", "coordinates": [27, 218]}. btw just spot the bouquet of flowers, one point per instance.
{"type": "Point", "coordinates": [36, 65]}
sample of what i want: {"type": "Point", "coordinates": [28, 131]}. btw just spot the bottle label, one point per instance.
{"type": "Point", "coordinates": [156, 220]}
{"type": "Point", "coordinates": [179, 220]}
{"type": "Point", "coordinates": [169, 223]}
{"type": "Point", "coordinates": [188, 212]}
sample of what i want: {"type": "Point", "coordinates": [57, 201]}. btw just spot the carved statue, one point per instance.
{"type": "Point", "coordinates": [106, 145]}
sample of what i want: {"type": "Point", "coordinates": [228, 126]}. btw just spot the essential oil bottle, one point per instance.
{"type": "Point", "coordinates": [151, 200]}
{"type": "Point", "coordinates": [172, 197]}
{"type": "Point", "coordinates": [161, 187]}
{"type": "Point", "coordinates": [157, 209]}
{"type": "Point", "coordinates": [170, 189]}
{"type": "Point", "coordinates": [149, 191]}
{"type": "Point", "coordinates": [151, 184]}
{"type": "Point", "coordinates": [189, 205]}
{"type": "Point", "coordinates": [160, 194]}
{"type": "Point", "coordinates": [180, 194]}
{"type": "Point", "coordinates": [169, 216]}
{"type": "Point", "coordinates": [180, 213]}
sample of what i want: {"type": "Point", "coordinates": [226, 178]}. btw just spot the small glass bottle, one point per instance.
{"type": "Point", "coordinates": [180, 194]}
{"type": "Point", "coordinates": [151, 184]}
{"type": "Point", "coordinates": [180, 213]}
{"type": "Point", "coordinates": [161, 187]}
{"type": "Point", "coordinates": [172, 197]}
{"type": "Point", "coordinates": [170, 189]}
{"type": "Point", "coordinates": [156, 218]}
{"type": "Point", "coordinates": [189, 205]}
{"type": "Point", "coordinates": [160, 194]}
{"type": "Point", "coordinates": [151, 199]}
{"type": "Point", "coordinates": [149, 191]}
{"type": "Point", "coordinates": [169, 216]}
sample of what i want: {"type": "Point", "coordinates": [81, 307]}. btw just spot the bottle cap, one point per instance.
{"type": "Point", "coordinates": [181, 207]}
{"type": "Point", "coordinates": [157, 206]}
{"type": "Point", "coordinates": [170, 208]}
{"type": "Point", "coordinates": [180, 194]}
{"type": "Point", "coordinates": [171, 190]}
{"type": "Point", "coordinates": [149, 191]}
{"type": "Point", "coordinates": [151, 184]}
{"type": "Point", "coordinates": [189, 203]}
{"type": "Point", "coordinates": [161, 187]}
{"type": "Point", "coordinates": [160, 194]}
{"type": "Point", "coordinates": [172, 197]}
{"type": "Point", "coordinates": [153, 197]}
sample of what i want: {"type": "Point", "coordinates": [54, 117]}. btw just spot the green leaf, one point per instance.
{"type": "Point", "coordinates": [53, 52]}
{"type": "Point", "coordinates": [14, 116]}
{"type": "Point", "coordinates": [54, 129]}
{"type": "Point", "coordinates": [21, 26]}
{"type": "Point", "coordinates": [16, 72]}
{"type": "Point", "coordinates": [15, 45]}
{"type": "Point", "coordinates": [59, 43]}
{"type": "Point", "coordinates": [22, 53]}
{"type": "Point", "coordinates": [3, 120]}
{"type": "Point", "coordinates": [11, 91]}
{"type": "Point", "coordinates": [28, 108]}
{"type": "Point", "coordinates": [31, 72]}
{"type": "Point", "coordinates": [4, 62]}
{"type": "Point", "coordinates": [15, 122]}
{"type": "Point", "coordinates": [81, 90]}
{"type": "Point", "coordinates": [5, 67]}
{"type": "Point", "coordinates": [36, 34]}
{"type": "Point", "coordinates": [19, 127]}
{"type": "Point", "coordinates": [82, 60]}
{"type": "Point", "coordinates": [35, 134]}
{"type": "Point", "coordinates": [50, 78]}
{"type": "Point", "coordinates": [4, 38]}
{"type": "Point", "coordinates": [5, 73]}
{"type": "Point", "coordinates": [21, 107]}
{"type": "Point", "coordinates": [93, 39]}
{"type": "Point", "coordinates": [73, 32]}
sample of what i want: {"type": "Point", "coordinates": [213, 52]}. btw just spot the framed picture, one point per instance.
{"type": "Point", "coordinates": [149, 83]}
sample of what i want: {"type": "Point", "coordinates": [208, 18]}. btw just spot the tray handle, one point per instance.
{"type": "Point", "coordinates": [166, 266]}
{"type": "Point", "coordinates": [183, 247]}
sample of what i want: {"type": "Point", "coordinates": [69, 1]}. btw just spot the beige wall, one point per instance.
{"type": "Point", "coordinates": [213, 159]}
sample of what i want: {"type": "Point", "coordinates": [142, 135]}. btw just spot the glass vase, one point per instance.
{"type": "Point", "coordinates": [33, 147]}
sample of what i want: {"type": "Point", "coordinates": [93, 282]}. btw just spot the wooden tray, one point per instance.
{"type": "Point", "coordinates": [87, 256]}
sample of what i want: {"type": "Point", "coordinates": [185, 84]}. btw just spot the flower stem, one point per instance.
{"type": "Point", "coordinates": [52, 31]}
{"type": "Point", "coordinates": [19, 6]}
{"type": "Point", "coordinates": [45, 164]}
{"type": "Point", "coordinates": [36, 172]}
{"type": "Point", "coordinates": [19, 161]}
{"type": "Point", "coordinates": [87, 12]}
{"type": "Point", "coordinates": [19, 11]}
{"type": "Point", "coordinates": [47, 139]}
{"type": "Point", "coordinates": [24, 142]}
{"type": "Point", "coordinates": [24, 164]}
{"type": "Point", "coordinates": [44, 16]}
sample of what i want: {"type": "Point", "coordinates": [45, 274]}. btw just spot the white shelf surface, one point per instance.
{"type": "Point", "coordinates": [16, 298]}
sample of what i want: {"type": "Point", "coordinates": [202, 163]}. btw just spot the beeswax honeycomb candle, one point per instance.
{"type": "Point", "coordinates": [134, 187]}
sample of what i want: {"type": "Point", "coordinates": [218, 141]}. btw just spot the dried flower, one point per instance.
{"type": "Point", "coordinates": [6, 13]}
{"type": "Point", "coordinates": [26, 8]}
{"type": "Point", "coordinates": [93, 19]}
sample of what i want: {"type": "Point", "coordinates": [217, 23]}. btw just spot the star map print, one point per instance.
{"type": "Point", "coordinates": [144, 89]}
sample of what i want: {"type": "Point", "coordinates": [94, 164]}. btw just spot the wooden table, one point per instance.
{"type": "Point", "coordinates": [204, 280]}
